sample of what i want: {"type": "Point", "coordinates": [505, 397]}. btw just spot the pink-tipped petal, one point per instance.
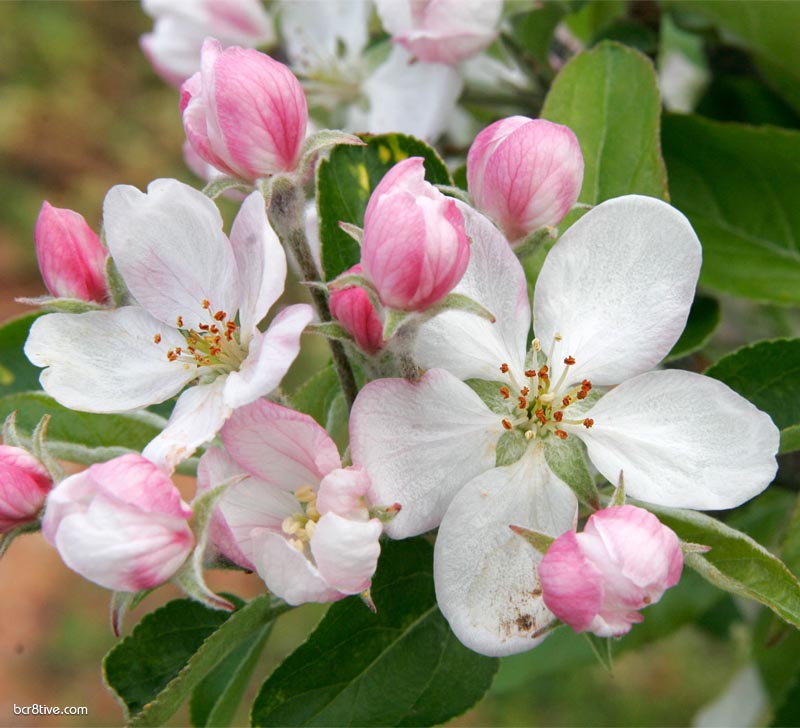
{"type": "Point", "coordinates": [343, 491]}
{"type": "Point", "coordinates": [346, 551]}
{"type": "Point", "coordinates": [24, 485]}
{"type": "Point", "coordinates": [353, 309]}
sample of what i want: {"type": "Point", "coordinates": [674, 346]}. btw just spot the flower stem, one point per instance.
{"type": "Point", "coordinates": [286, 210]}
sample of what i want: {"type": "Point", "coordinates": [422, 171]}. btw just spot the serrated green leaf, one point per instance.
{"type": "Point", "coordinates": [82, 437]}
{"type": "Point", "coordinates": [704, 318]}
{"type": "Point", "coordinates": [618, 130]}
{"type": "Point", "coordinates": [567, 459]}
{"type": "Point", "coordinates": [736, 563]}
{"type": "Point", "coordinates": [768, 374]}
{"type": "Point", "coordinates": [345, 181]}
{"type": "Point", "coordinates": [17, 374]}
{"type": "Point", "coordinates": [216, 699]}
{"type": "Point", "coordinates": [739, 186]}
{"type": "Point", "coordinates": [400, 667]}
{"type": "Point", "coordinates": [153, 670]}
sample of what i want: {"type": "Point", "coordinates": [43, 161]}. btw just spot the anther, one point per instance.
{"type": "Point", "coordinates": [540, 416]}
{"type": "Point", "coordinates": [504, 368]}
{"type": "Point", "coordinates": [543, 372]}
{"type": "Point", "coordinates": [507, 424]}
{"type": "Point", "coordinates": [566, 401]}
{"type": "Point", "coordinates": [220, 315]}
{"type": "Point", "coordinates": [178, 350]}
{"type": "Point", "coordinates": [581, 394]}
{"type": "Point", "coordinates": [524, 391]}
{"type": "Point", "coordinates": [505, 392]}
{"type": "Point", "coordinates": [561, 434]}
{"type": "Point", "coordinates": [206, 304]}
{"type": "Point", "coordinates": [558, 416]}
{"type": "Point", "coordinates": [569, 361]}
{"type": "Point", "coordinates": [203, 327]}
{"type": "Point", "coordinates": [157, 338]}
{"type": "Point", "coordinates": [523, 403]}
{"type": "Point", "coordinates": [586, 384]}
{"type": "Point", "coordinates": [588, 422]}
{"type": "Point", "coordinates": [557, 336]}
{"type": "Point", "coordinates": [530, 434]}
{"type": "Point", "coordinates": [530, 373]}
{"type": "Point", "coordinates": [179, 321]}
{"type": "Point", "coordinates": [537, 345]}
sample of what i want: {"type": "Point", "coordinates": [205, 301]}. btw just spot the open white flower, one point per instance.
{"type": "Point", "coordinates": [201, 297]}
{"type": "Point", "coordinates": [612, 298]}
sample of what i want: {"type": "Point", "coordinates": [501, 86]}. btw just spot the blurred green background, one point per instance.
{"type": "Point", "coordinates": [80, 111]}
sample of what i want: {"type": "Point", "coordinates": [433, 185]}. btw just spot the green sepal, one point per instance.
{"type": "Point", "coordinates": [601, 647]}
{"type": "Point", "coordinates": [354, 231]}
{"type": "Point", "coordinates": [540, 541]}
{"type": "Point", "coordinates": [217, 187]}
{"type": "Point", "coordinates": [510, 447]}
{"type": "Point", "coordinates": [567, 459]}
{"type": "Point", "coordinates": [62, 305]}
{"type": "Point", "coordinates": [117, 288]}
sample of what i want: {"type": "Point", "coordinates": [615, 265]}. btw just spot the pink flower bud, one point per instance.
{"type": "Point", "coordinates": [352, 308]}
{"type": "Point", "coordinates": [24, 485]}
{"type": "Point", "coordinates": [441, 31]}
{"type": "Point", "coordinates": [71, 257]}
{"type": "Point", "coordinates": [121, 524]}
{"type": "Point", "coordinates": [525, 174]}
{"type": "Point", "coordinates": [244, 113]}
{"type": "Point", "coordinates": [598, 580]}
{"type": "Point", "coordinates": [415, 249]}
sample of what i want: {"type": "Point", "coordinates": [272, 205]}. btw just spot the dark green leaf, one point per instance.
{"type": "Point", "coordinates": [736, 563]}
{"type": "Point", "coordinates": [594, 17]}
{"type": "Point", "coordinates": [17, 374]}
{"type": "Point", "coordinates": [400, 667]}
{"type": "Point", "coordinates": [768, 374]}
{"type": "Point", "coordinates": [155, 668]}
{"type": "Point", "coordinates": [82, 437]}
{"type": "Point", "coordinates": [345, 181]}
{"type": "Point", "coordinates": [704, 318]}
{"type": "Point", "coordinates": [739, 186]}
{"type": "Point", "coordinates": [788, 713]}
{"type": "Point", "coordinates": [216, 699]}
{"type": "Point", "coordinates": [532, 31]}
{"type": "Point", "coordinates": [618, 130]}
{"type": "Point", "coordinates": [315, 396]}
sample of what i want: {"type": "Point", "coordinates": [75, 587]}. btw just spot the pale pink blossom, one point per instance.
{"type": "Point", "coordinates": [298, 518]}
{"type": "Point", "coordinates": [244, 113]}
{"type": "Point", "coordinates": [525, 174]}
{"type": "Point", "coordinates": [441, 31]}
{"type": "Point", "coordinates": [173, 48]}
{"type": "Point", "coordinates": [24, 484]}
{"type": "Point", "coordinates": [599, 579]}
{"type": "Point", "coordinates": [71, 257]}
{"type": "Point", "coordinates": [121, 524]}
{"type": "Point", "coordinates": [200, 296]}
{"type": "Point", "coordinates": [352, 308]}
{"type": "Point", "coordinates": [414, 249]}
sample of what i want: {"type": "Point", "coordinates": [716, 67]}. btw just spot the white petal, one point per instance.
{"type": "Point", "coordinates": [269, 358]}
{"type": "Point", "coordinates": [107, 361]}
{"type": "Point", "coordinates": [280, 446]}
{"type": "Point", "coordinates": [260, 260]}
{"type": "Point", "coordinates": [169, 247]}
{"type": "Point", "coordinates": [487, 584]}
{"type": "Point", "coordinates": [420, 442]}
{"type": "Point", "coordinates": [199, 414]}
{"type": "Point", "coordinates": [617, 287]}
{"type": "Point", "coordinates": [411, 97]}
{"type": "Point", "coordinates": [346, 551]}
{"type": "Point", "coordinates": [470, 346]}
{"type": "Point", "coordinates": [287, 573]}
{"type": "Point", "coordinates": [682, 440]}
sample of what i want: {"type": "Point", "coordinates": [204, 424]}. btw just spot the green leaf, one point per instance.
{"type": "Point", "coordinates": [704, 318]}
{"type": "Point", "coordinates": [82, 437]}
{"type": "Point", "coordinates": [345, 181]}
{"type": "Point", "coordinates": [768, 374]}
{"type": "Point", "coordinates": [315, 396]}
{"type": "Point", "coordinates": [153, 670]}
{"type": "Point", "coordinates": [216, 699]}
{"type": "Point", "coordinates": [533, 31]}
{"type": "Point", "coordinates": [739, 186]}
{"type": "Point", "coordinates": [595, 17]}
{"type": "Point", "coordinates": [17, 374]}
{"type": "Point", "coordinates": [618, 129]}
{"type": "Point", "coordinates": [736, 563]}
{"type": "Point", "coordinates": [400, 667]}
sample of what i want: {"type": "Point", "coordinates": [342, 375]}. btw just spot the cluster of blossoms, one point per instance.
{"type": "Point", "coordinates": [468, 424]}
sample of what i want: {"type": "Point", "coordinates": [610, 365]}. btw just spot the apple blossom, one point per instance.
{"type": "Point", "coordinates": [353, 309]}
{"type": "Point", "coordinates": [71, 257]}
{"type": "Point", "coordinates": [24, 485]}
{"type": "Point", "coordinates": [441, 31]}
{"type": "Point", "coordinates": [599, 579]}
{"type": "Point", "coordinates": [525, 174]}
{"type": "Point", "coordinates": [611, 300]}
{"type": "Point", "coordinates": [414, 249]}
{"type": "Point", "coordinates": [299, 519]}
{"type": "Point", "coordinates": [173, 48]}
{"type": "Point", "coordinates": [200, 299]}
{"type": "Point", "coordinates": [244, 113]}
{"type": "Point", "coordinates": [121, 524]}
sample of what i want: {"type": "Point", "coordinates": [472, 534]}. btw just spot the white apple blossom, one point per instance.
{"type": "Point", "coordinates": [200, 299]}
{"type": "Point", "coordinates": [612, 298]}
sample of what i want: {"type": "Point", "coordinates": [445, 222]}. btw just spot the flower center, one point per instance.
{"type": "Point", "coordinates": [541, 406]}
{"type": "Point", "coordinates": [300, 526]}
{"type": "Point", "coordinates": [216, 343]}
